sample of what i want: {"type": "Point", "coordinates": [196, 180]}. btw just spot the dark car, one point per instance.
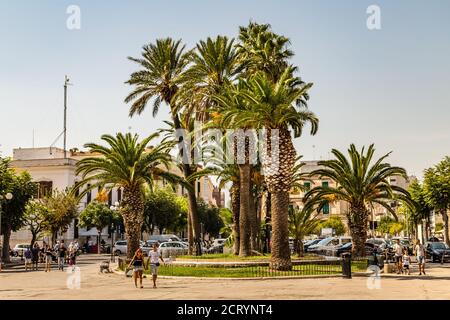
{"type": "Point", "coordinates": [437, 250]}
{"type": "Point", "coordinates": [347, 248]}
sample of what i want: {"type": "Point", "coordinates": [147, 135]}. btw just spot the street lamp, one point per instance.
{"type": "Point", "coordinates": [115, 207]}
{"type": "Point", "coordinates": [5, 197]}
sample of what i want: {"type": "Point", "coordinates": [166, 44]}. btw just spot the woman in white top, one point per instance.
{"type": "Point", "coordinates": [420, 254]}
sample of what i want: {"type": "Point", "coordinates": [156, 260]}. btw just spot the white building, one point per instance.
{"type": "Point", "coordinates": [49, 168]}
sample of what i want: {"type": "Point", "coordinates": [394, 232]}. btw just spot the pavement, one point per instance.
{"type": "Point", "coordinates": [88, 283]}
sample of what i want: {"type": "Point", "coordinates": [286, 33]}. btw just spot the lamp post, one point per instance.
{"type": "Point", "coordinates": [5, 197]}
{"type": "Point", "coordinates": [115, 207]}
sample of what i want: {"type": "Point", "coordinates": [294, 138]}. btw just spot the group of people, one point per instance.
{"type": "Point", "coordinates": [47, 254]}
{"type": "Point", "coordinates": [138, 263]}
{"type": "Point", "coordinates": [403, 258]}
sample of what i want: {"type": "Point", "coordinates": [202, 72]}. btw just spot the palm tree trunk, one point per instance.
{"type": "Point", "coordinates": [195, 223]}
{"type": "Point", "coordinates": [133, 218]}
{"type": "Point", "coordinates": [252, 219]}
{"type": "Point", "coordinates": [281, 255]}
{"type": "Point", "coordinates": [235, 199]}
{"type": "Point", "coordinates": [446, 227]}
{"type": "Point", "coordinates": [357, 223]}
{"type": "Point", "coordinates": [244, 210]}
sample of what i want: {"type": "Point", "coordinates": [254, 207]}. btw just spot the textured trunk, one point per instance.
{"type": "Point", "coordinates": [195, 223]}
{"type": "Point", "coordinates": [33, 239]}
{"type": "Point", "coordinates": [252, 219]}
{"type": "Point", "coordinates": [281, 255]}
{"type": "Point", "coordinates": [357, 224]}
{"type": "Point", "coordinates": [133, 217]}
{"type": "Point", "coordinates": [99, 236]}
{"type": "Point", "coordinates": [298, 247]}
{"type": "Point", "coordinates": [5, 249]}
{"type": "Point", "coordinates": [258, 222]}
{"type": "Point", "coordinates": [235, 199]}
{"type": "Point", "coordinates": [194, 229]}
{"type": "Point", "coordinates": [446, 227]}
{"type": "Point", "coordinates": [244, 210]}
{"type": "Point", "coordinates": [277, 169]}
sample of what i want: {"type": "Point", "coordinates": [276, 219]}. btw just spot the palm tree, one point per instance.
{"type": "Point", "coordinates": [129, 164]}
{"type": "Point", "coordinates": [160, 78]}
{"type": "Point", "coordinates": [302, 222]}
{"type": "Point", "coordinates": [361, 184]}
{"type": "Point", "coordinates": [275, 107]}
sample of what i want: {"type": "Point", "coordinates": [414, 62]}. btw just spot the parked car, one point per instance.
{"type": "Point", "coordinates": [333, 245]}
{"type": "Point", "coordinates": [435, 251]}
{"type": "Point", "coordinates": [164, 238]}
{"type": "Point", "coordinates": [346, 248]}
{"type": "Point", "coordinates": [309, 243]}
{"type": "Point", "coordinates": [315, 248]}
{"type": "Point", "coordinates": [172, 248]}
{"type": "Point", "coordinates": [19, 249]}
{"type": "Point", "coordinates": [121, 247]}
{"type": "Point", "coordinates": [405, 243]}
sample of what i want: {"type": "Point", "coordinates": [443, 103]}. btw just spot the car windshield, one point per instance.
{"type": "Point", "coordinates": [439, 245]}
{"type": "Point", "coordinates": [324, 242]}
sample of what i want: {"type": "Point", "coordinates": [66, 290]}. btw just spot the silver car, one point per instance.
{"type": "Point", "coordinates": [172, 248]}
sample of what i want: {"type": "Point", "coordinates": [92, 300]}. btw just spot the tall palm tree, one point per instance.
{"type": "Point", "coordinates": [361, 184]}
{"type": "Point", "coordinates": [161, 78]}
{"type": "Point", "coordinates": [129, 164]}
{"type": "Point", "coordinates": [276, 108]}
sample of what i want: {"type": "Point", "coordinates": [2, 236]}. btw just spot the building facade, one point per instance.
{"type": "Point", "coordinates": [51, 171]}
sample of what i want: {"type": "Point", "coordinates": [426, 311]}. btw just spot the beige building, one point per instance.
{"type": "Point", "coordinates": [49, 168]}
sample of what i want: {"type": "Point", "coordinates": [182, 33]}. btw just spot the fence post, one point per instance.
{"type": "Point", "coordinates": [347, 265]}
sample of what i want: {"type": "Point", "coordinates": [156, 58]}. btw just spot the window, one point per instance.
{"type": "Point", "coordinates": [325, 184]}
{"type": "Point", "coordinates": [119, 195]}
{"type": "Point", "coordinates": [89, 195]}
{"type": "Point", "coordinates": [44, 189]}
{"type": "Point", "coordinates": [198, 188]}
{"type": "Point", "coordinates": [110, 198]}
{"type": "Point", "coordinates": [326, 208]}
{"type": "Point", "coordinates": [307, 186]}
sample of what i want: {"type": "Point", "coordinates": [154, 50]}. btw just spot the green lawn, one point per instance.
{"type": "Point", "coordinates": [257, 271]}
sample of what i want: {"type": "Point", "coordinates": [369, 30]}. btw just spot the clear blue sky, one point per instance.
{"type": "Point", "coordinates": [389, 86]}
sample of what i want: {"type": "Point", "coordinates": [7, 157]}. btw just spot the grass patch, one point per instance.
{"type": "Point", "coordinates": [254, 272]}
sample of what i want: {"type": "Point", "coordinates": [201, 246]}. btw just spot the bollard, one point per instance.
{"type": "Point", "coordinates": [347, 265]}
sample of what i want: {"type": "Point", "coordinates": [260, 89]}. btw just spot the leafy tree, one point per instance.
{"type": "Point", "coordinates": [360, 183]}
{"type": "Point", "coordinates": [437, 191]}
{"type": "Point", "coordinates": [210, 218]}
{"type": "Point", "coordinates": [163, 210]}
{"type": "Point", "coordinates": [390, 226]}
{"type": "Point", "coordinates": [335, 223]}
{"type": "Point", "coordinates": [62, 209]}
{"type": "Point", "coordinates": [99, 216]}
{"type": "Point", "coordinates": [131, 165]}
{"type": "Point", "coordinates": [35, 219]}
{"type": "Point", "coordinates": [22, 188]}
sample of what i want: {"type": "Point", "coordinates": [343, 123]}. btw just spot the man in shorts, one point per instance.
{"type": "Point", "coordinates": [28, 257]}
{"type": "Point", "coordinates": [398, 249]}
{"type": "Point", "coordinates": [420, 255]}
{"type": "Point", "coordinates": [155, 256]}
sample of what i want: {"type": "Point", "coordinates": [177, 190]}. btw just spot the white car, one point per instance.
{"type": "Point", "coordinates": [121, 247]}
{"type": "Point", "coordinates": [20, 249]}
{"type": "Point", "coordinates": [172, 248]}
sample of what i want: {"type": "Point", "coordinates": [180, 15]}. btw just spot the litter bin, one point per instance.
{"type": "Point", "coordinates": [347, 265]}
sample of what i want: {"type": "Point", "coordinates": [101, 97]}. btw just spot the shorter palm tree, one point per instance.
{"type": "Point", "coordinates": [302, 222]}
{"type": "Point", "coordinates": [361, 184]}
{"type": "Point", "coordinates": [129, 164]}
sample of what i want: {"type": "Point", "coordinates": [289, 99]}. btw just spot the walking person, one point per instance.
{"type": "Point", "coordinates": [28, 257]}
{"type": "Point", "coordinates": [406, 262]}
{"type": "Point", "coordinates": [398, 249]}
{"type": "Point", "coordinates": [155, 256]}
{"type": "Point", "coordinates": [138, 266]}
{"type": "Point", "coordinates": [48, 258]}
{"type": "Point", "coordinates": [35, 253]}
{"type": "Point", "coordinates": [419, 250]}
{"type": "Point", "coordinates": [61, 255]}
